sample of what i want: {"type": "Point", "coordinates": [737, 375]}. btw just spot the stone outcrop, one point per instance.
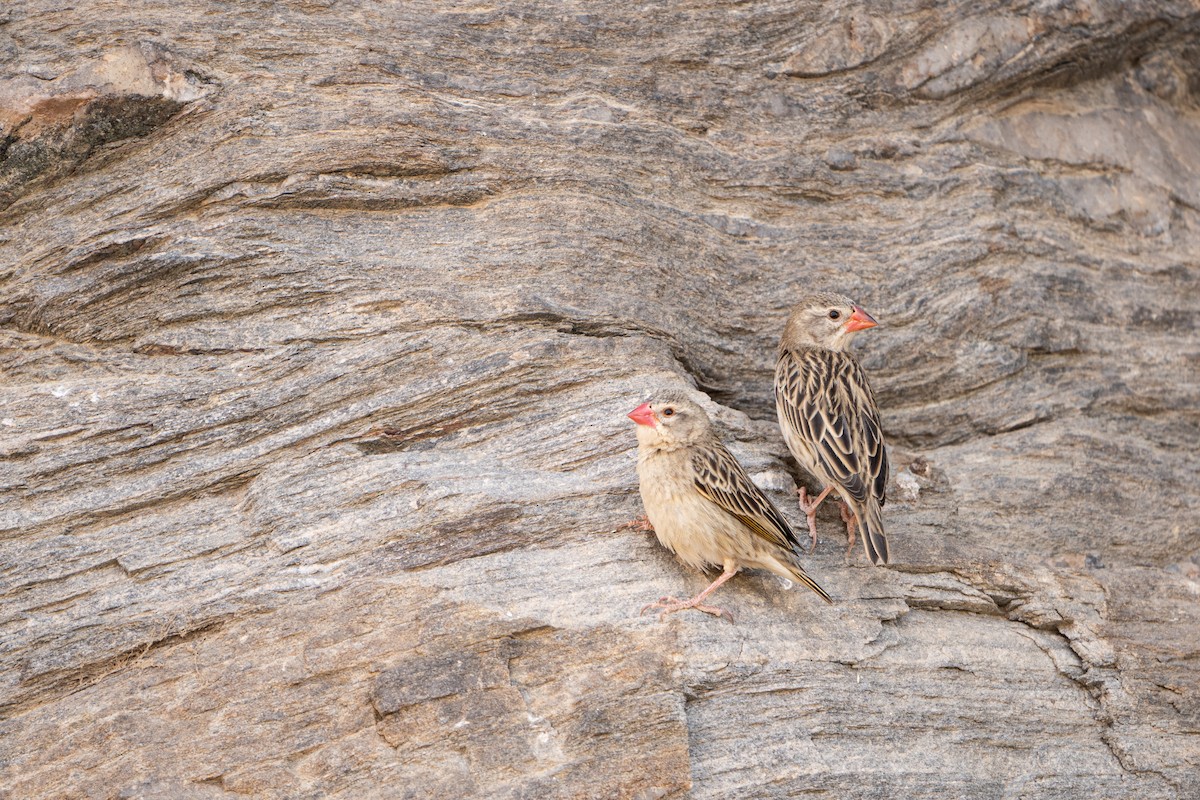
{"type": "Point", "coordinates": [319, 326]}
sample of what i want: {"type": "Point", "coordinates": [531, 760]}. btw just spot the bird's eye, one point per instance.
{"type": "Point", "coordinates": [834, 313]}
{"type": "Point", "coordinates": [668, 412]}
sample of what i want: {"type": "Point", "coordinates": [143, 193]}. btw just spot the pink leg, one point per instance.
{"type": "Point", "coordinates": [641, 523]}
{"type": "Point", "coordinates": [810, 509]}
{"type": "Point", "coordinates": [851, 520]}
{"type": "Point", "coordinates": [669, 605]}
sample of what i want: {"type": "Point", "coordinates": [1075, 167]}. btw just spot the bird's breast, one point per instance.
{"type": "Point", "coordinates": [686, 522]}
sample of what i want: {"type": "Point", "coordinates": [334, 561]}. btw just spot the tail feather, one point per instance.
{"type": "Point", "coordinates": [870, 527]}
{"type": "Point", "coordinates": [800, 575]}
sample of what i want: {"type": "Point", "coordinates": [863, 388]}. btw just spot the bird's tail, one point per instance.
{"type": "Point", "coordinates": [800, 575]}
{"type": "Point", "coordinates": [870, 527]}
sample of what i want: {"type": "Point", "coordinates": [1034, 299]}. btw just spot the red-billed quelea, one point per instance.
{"type": "Point", "coordinates": [828, 415]}
{"type": "Point", "coordinates": [703, 505]}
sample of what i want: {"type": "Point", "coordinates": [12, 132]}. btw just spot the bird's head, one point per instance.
{"type": "Point", "coordinates": [825, 320]}
{"type": "Point", "coordinates": [670, 419]}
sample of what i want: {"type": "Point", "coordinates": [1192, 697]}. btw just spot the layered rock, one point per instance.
{"type": "Point", "coordinates": [320, 326]}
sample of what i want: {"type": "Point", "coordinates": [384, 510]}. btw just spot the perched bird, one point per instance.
{"type": "Point", "coordinates": [828, 415]}
{"type": "Point", "coordinates": [703, 505]}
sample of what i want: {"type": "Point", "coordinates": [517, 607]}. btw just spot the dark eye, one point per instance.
{"type": "Point", "coordinates": [668, 412]}
{"type": "Point", "coordinates": [834, 313]}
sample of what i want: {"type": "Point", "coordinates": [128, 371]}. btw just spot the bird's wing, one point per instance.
{"type": "Point", "coordinates": [824, 398]}
{"type": "Point", "coordinates": [873, 448]}
{"type": "Point", "coordinates": [721, 479]}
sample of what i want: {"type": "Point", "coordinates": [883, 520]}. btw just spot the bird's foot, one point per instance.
{"type": "Point", "coordinates": [809, 507]}
{"type": "Point", "coordinates": [851, 520]}
{"type": "Point", "coordinates": [641, 523]}
{"type": "Point", "coordinates": [810, 511]}
{"type": "Point", "coordinates": [669, 605]}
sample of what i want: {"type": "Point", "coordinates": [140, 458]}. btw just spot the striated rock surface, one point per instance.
{"type": "Point", "coordinates": [319, 326]}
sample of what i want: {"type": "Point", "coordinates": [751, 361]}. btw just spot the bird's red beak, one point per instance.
{"type": "Point", "coordinates": [859, 321]}
{"type": "Point", "coordinates": [642, 415]}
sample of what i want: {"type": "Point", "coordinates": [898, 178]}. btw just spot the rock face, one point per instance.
{"type": "Point", "coordinates": [320, 323]}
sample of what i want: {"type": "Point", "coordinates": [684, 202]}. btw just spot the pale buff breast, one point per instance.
{"type": "Point", "coordinates": [697, 530]}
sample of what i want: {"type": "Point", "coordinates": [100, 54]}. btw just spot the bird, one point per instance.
{"type": "Point", "coordinates": [703, 506]}
{"type": "Point", "coordinates": [829, 417]}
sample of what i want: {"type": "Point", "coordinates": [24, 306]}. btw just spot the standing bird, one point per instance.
{"type": "Point", "coordinates": [703, 505]}
{"type": "Point", "coordinates": [828, 415]}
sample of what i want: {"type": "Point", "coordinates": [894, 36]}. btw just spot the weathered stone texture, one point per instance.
{"type": "Point", "coordinates": [319, 325]}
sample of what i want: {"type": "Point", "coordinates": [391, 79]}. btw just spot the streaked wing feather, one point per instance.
{"type": "Point", "coordinates": [876, 451]}
{"type": "Point", "coordinates": [720, 478]}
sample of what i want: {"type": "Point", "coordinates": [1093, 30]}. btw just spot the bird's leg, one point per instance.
{"type": "Point", "coordinates": [810, 509]}
{"type": "Point", "coordinates": [851, 520]}
{"type": "Point", "coordinates": [669, 605]}
{"type": "Point", "coordinates": [641, 523]}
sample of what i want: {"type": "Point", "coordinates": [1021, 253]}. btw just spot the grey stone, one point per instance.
{"type": "Point", "coordinates": [319, 327]}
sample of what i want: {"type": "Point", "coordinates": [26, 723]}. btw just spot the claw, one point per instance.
{"type": "Point", "coordinates": [810, 509]}
{"type": "Point", "coordinates": [670, 605]}
{"type": "Point", "coordinates": [851, 520]}
{"type": "Point", "coordinates": [640, 523]}
{"type": "Point", "coordinates": [662, 601]}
